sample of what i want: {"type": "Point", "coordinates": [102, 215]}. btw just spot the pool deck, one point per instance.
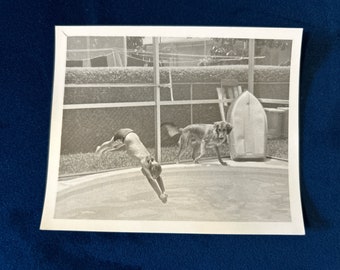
{"type": "Point", "coordinates": [268, 163]}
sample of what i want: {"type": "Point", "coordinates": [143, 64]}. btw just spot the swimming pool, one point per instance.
{"type": "Point", "coordinates": [208, 192]}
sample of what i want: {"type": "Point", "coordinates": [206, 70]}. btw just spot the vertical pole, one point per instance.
{"type": "Point", "coordinates": [191, 116]}
{"type": "Point", "coordinates": [157, 98]}
{"type": "Point", "coordinates": [125, 51]}
{"type": "Point", "coordinates": [251, 64]}
{"type": "Point", "coordinates": [88, 44]}
{"type": "Point", "coordinates": [171, 89]}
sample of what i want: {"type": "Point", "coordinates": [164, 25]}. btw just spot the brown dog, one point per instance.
{"type": "Point", "coordinates": [200, 136]}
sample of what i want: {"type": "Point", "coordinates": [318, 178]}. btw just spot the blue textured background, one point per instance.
{"type": "Point", "coordinates": [26, 75]}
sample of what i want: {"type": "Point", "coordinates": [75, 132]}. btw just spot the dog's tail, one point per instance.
{"type": "Point", "coordinates": [172, 129]}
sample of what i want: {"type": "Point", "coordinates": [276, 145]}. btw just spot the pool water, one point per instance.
{"type": "Point", "coordinates": [196, 193]}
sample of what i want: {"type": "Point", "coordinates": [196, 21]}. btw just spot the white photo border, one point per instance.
{"type": "Point", "coordinates": [295, 227]}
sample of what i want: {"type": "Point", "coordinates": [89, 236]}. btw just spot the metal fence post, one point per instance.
{"type": "Point", "coordinates": [251, 64]}
{"type": "Point", "coordinates": [191, 116]}
{"type": "Point", "coordinates": [157, 98]}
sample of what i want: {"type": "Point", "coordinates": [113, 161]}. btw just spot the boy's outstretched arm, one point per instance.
{"type": "Point", "coordinates": [154, 184]}
{"type": "Point", "coordinates": [163, 196]}
{"type": "Point", "coordinates": [160, 183]}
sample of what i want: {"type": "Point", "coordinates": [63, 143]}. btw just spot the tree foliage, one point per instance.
{"type": "Point", "coordinates": [133, 43]}
{"type": "Point", "coordinates": [223, 50]}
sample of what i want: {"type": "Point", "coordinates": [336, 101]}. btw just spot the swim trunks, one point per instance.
{"type": "Point", "coordinates": [121, 134]}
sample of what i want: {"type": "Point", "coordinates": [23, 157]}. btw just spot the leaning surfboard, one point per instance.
{"type": "Point", "coordinates": [248, 139]}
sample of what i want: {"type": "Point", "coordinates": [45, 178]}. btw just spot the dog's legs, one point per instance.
{"type": "Point", "coordinates": [182, 145]}
{"type": "Point", "coordinates": [202, 152]}
{"type": "Point", "coordinates": [219, 156]}
{"type": "Point", "coordinates": [195, 150]}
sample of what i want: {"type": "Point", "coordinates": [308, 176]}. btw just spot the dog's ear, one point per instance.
{"type": "Point", "coordinates": [216, 124]}
{"type": "Point", "coordinates": [229, 128]}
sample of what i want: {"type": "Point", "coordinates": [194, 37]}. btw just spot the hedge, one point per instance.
{"type": "Point", "coordinates": [84, 129]}
{"type": "Point", "coordinates": [179, 74]}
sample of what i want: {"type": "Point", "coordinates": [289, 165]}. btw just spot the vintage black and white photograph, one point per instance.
{"type": "Point", "coordinates": [175, 130]}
